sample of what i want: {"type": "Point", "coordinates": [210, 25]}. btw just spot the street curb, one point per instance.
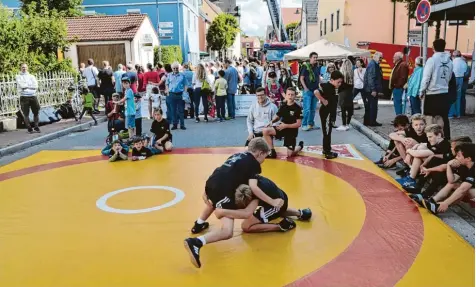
{"type": "Point", "coordinates": [48, 137]}
{"type": "Point", "coordinates": [373, 136]}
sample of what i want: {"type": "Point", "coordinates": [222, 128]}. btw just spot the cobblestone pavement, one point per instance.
{"type": "Point", "coordinates": [463, 126]}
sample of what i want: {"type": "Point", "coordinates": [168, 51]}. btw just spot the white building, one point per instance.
{"type": "Point", "coordinates": [119, 39]}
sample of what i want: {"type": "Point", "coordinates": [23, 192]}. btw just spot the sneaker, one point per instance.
{"type": "Point", "coordinates": [30, 130]}
{"type": "Point", "coordinates": [287, 224]}
{"type": "Point", "coordinates": [418, 198]}
{"type": "Point", "coordinates": [37, 129]}
{"type": "Point", "coordinates": [407, 182]}
{"type": "Point", "coordinates": [341, 129]}
{"type": "Point", "coordinates": [221, 120]}
{"type": "Point", "coordinates": [174, 128]}
{"type": "Point", "coordinates": [331, 155]}
{"type": "Point", "coordinates": [380, 161]}
{"type": "Point", "coordinates": [312, 127]}
{"type": "Point", "coordinates": [193, 245]}
{"type": "Point", "coordinates": [206, 120]}
{"type": "Point", "coordinates": [305, 214]}
{"type": "Point", "coordinates": [197, 120]}
{"type": "Point", "coordinates": [197, 228]}
{"type": "Point", "coordinates": [183, 128]}
{"type": "Point", "coordinates": [431, 205]}
{"type": "Point", "coordinates": [347, 128]}
{"type": "Point", "coordinates": [306, 128]}
{"type": "Point", "coordinates": [403, 171]}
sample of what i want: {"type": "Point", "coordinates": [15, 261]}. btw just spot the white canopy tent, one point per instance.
{"type": "Point", "coordinates": [326, 51]}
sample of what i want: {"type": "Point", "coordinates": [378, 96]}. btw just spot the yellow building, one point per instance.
{"type": "Point", "coordinates": [352, 21]}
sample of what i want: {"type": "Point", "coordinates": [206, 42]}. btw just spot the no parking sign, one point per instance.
{"type": "Point", "coordinates": [422, 12]}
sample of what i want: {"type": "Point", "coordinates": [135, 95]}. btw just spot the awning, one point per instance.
{"type": "Point", "coordinates": [454, 9]}
{"type": "Point", "coordinates": [202, 53]}
{"type": "Point", "coordinates": [326, 51]}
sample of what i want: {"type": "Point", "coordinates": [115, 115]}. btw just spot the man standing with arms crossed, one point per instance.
{"type": "Point", "coordinates": [310, 82]}
{"type": "Point", "coordinates": [27, 85]}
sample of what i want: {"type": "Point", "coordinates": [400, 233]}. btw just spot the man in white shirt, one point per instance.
{"type": "Point", "coordinates": [459, 68]}
{"type": "Point", "coordinates": [27, 86]}
{"type": "Point", "coordinates": [91, 74]}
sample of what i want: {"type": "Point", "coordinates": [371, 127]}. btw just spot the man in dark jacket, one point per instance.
{"type": "Point", "coordinates": [373, 87]}
{"type": "Point", "coordinates": [398, 79]}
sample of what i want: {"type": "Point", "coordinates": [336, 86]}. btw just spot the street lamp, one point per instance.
{"type": "Point", "coordinates": [158, 27]}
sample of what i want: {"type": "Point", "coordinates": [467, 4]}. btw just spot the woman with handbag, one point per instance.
{"type": "Point", "coordinates": [202, 91]}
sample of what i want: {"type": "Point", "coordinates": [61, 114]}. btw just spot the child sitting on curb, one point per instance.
{"type": "Point", "coordinates": [459, 185]}
{"type": "Point", "coordinates": [391, 156]}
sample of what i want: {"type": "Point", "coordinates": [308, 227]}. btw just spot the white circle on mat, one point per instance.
{"type": "Point", "coordinates": [101, 203]}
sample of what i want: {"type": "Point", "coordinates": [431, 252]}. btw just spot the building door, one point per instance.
{"type": "Point", "coordinates": [113, 53]}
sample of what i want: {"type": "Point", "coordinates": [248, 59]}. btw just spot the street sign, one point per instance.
{"type": "Point", "coordinates": [422, 12]}
{"type": "Point", "coordinates": [414, 37]}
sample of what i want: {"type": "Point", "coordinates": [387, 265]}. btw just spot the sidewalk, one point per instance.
{"type": "Point", "coordinates": [13, 141]}
{"type": "Point", "coordinates": [463, 126]}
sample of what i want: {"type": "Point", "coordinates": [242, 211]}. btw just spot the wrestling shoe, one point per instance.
{"type": "Point", "coordinates": [287, 224]}
{"type": "Point", "coordinates": [193, 245]}
{"type": "Point", "coordinates": [305, 214]}
{"type": "Point", "coordinates": [330, 155]}
{"type": "Point", "coordinates": [197, 228]}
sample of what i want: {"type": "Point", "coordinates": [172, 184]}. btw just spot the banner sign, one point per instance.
{"type": "Point", "coordinates": [243, 104]}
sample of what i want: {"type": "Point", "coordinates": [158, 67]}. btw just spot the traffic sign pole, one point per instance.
{"type": "Point", "coordinates": [425, 41]}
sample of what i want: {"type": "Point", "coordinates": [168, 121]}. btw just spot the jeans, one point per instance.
{"type": "Point", "coordinates": [438, 105]}
{"type": "Point", "coordinates": [197, 95]}
{"type": "Point", "coordinates": [27, 103]}
{"type": "Point", "coordinates": [178, 107]}
{"type": "Point", "coordinates": [371, 108]}
{"type": "Point", "coordinates": [230, 101]}
{"type": "Point", "coordinates": [220, 106]}
{"type": "Point", "coordinates": [398, 102]}
{"type": "Point", "coordinates": [455, 110]}
{"type": "Point", "coordinates": [309, 108]}
{"type": "Point", "coordinates": [415, 103]}
{"type": "Point", "coordinates": [463, 98]}
{"type": "Point", "coordinates": [170, 114]}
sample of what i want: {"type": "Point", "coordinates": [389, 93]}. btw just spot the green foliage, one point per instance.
{"type": "Point", "coordinates": [290, 29]}
{"type": "Point", "coordinates": [222, 32]}
{"type": "Point", "coordinates": [67, 8]}
{"type": "Point", "coordinates": [412, 5]}
{"type": "Point", "coordinates": [34, 38]}
{"type": "Point", "coordinates": [168, 54]}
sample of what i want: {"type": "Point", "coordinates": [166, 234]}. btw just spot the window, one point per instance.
{"type": "Point", "coordinates": [321, 28]}
{"type": "Point", "coordinates": [325, 26]}
{"type": "Point", "coordinates": [338, 20]}
{"type": "Point", "coordinates": [332, 22]}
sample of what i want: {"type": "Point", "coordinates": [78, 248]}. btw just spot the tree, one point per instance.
{"type": "Point", "coordinates": [34, 38]}
{"type": "Point", "coordinates": [222, 32]}
{"type": "Point", "coordinates": [67, 8]}
{"type": "Point", "coordinates": [169, 54]}
{"type": "Point", "coordinates": [290, 29]}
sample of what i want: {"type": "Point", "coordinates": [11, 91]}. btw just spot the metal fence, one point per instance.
{"type": "Point", "coordinates": [52, 91]}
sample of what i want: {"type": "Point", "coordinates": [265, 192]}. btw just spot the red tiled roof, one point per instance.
{"type": "Point", "coordinates": [104, 28]}
{"type": "Point", "coordinates": [289, 15]}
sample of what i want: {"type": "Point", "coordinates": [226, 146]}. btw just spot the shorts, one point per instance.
{"type": "Point", "coordinates": [131, 121]}
{"type": "Point", "coordinates": [257, 135]}
{"type": "Point", "coordinates": [218, 194]}
{"type": "Point", "coordinates": [266, 212]}
{"type": "Point", "coordinates": [289, 137]}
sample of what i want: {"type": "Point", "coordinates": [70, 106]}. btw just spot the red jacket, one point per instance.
{"type": "Point", "coordinates": [399, 75]}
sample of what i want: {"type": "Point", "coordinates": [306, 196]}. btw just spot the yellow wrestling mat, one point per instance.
{"type": "Point", "coordinates": [71, 218]}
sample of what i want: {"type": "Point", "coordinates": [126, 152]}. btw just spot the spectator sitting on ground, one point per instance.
{"type": "Point", "coordinates": [114, 113]}
{"type": "Point", "coordinates": [260, 115]}
{"type": "Point", "coordinates": [434, 168]}
{"type": "Point", "coordinates": [146, 142]}
{"type": "Point", "coordinates": [391, 156]}
{"type": "Point", "coordinates": [459, 185]}
{"type": "Point", "coordinates": [436, 145]}
{"type": "Point", "coordinates": [405, 140]}
{"type": "Point", "coordinates": [116, 151]}
{"type": "Point", "coordinates": [161, 129]}
{"type": "Point", "coordinates": [139, 152]}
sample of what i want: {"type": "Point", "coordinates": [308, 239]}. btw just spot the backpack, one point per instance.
{"type": "Point", "coordinates": [206, 86]}
{"type": "Point", "coordinates": [253, 74]}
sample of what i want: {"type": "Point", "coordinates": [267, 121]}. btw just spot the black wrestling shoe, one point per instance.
{"type": "Point", "coordinates": [272, 154]}
{"type": "Point", "coordinates": [330, 155]}
{"type": "Point", "coordinates": [193, 245]}
{"type": "Point", "coordinates": [403, 171]}
{"type": "Point", "coordinates": [306, 214]}
{"type": "Point", "coordinates": [197, 228]}
{"type": "Point", "coordinates": [301, 145]}
{"type": "Point", "coordinates": [287, 224]}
